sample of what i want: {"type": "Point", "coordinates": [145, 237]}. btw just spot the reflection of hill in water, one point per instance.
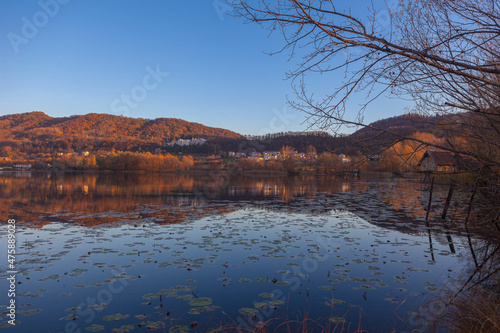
{"type": "Point", "coordinates": [101, 198]}
{"type": "Point", "coordinates": [36, 195]}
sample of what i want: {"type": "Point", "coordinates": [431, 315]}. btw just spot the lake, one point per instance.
{"type": "Point", "coordinates": [122, 252]}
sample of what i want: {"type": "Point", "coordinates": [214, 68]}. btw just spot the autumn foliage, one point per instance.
{"type": "Point", "coordinates": [403, 156]}
{"type": "Point", "coordinates": [126, 161]}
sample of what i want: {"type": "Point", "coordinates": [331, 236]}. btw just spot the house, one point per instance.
{"type": "Point", "coordinates": [198, 141]}
{"type": "Point", "coordinates": [344, 158]}
{"type": "Point", "coordinates": [22, 166]}
{"type": "Point", "coordinates": [300, 155]}
{"type": "Point", "coordinates": [187, 142]}
{"type": "Point", "coordinates": [438, 161]}
{"type": "Point", "coordinates": [240, 155]}
{"type": "Point", "coordinates": [271, 155]}
{"type": "Point", "coordinates": [255, 155]}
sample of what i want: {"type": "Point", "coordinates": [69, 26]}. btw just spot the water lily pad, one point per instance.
{"type": "Point", "coordinates": [392, 300]}
{"type": "Point", "coordinates": [117, 316]}
{"type": "Point", "coordinates": [248, 311]}
{"type": "Point", "coordinates": [150, 296]}
{"type": "Point", "coordinates": [124, 329]}
{"type": "Point", "coordinates": [164, 264]}
{"type": "Point", "coordinates": [155, 325]}
{"type": "Point", "coordinates": [98, 307]}
{"type": "Point", "coordinates": [50, 277]}
{"type": "Point", "coordinates": [334, 301]}
{"type": "Point", "coordinates": [200, 309]}
{"type": "Point", "coordinates": [77, 272]}
{"type": "Point", "coordinates": [261, 305]}
{"type": "Point", "coordinates": [326, 288]}
{"type": "Point", "coordinates": [184, 288]}
{"type": "Point", "coordinates": [186, 297]}
{"type": "Point", "coordinates": [95, 328]}
{"type": "Point", "coordinates": [76, 308]}
{"type": "Point", "coordinates": [367, 286]}
{"type": "Point", "coordinates": [31, 312]}
{"type": "Point", "coordinates": [283, 283]}
{"type": "Point", "coordinates": [179, 329]}
{"type": "Point", "coordinates": [202, 301]}
{"type": "Point", "coordinates": [70, 316]}
{"type": "Point", "coordinates": [167, 292]}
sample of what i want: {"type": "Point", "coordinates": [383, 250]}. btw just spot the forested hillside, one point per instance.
{"type": "Point", "coordinates": [36, 132]}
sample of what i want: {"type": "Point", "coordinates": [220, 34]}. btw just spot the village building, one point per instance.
{"type": "Point", "coordinates": [187, 142]}
{"type": "Point", "coordinates": [344, 158]}
{"type": "Point", "coordinates": [438, 161]}
{"type": "Point", "coordinates": [22, 166]}
{"type": "Point", "coordinates": [240, 155]}
{"type": "Point", "coordinates": [271, 155]}
{"type": "Point", "coordinates": [255, 156]}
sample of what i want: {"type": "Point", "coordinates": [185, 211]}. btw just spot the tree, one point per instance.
{"type": "Point", "coordinates": [311, 152]}
{"type": "Point", "coordinates": [444, 55]}
{"type": "Point", "coordinates": [7, 151]}
{"type": "Point", "coordinates": [286, 151]}
{"type": "Point", "coordinates": [404, 155]}
{"type": "Point", "coordinates": [329, 163]}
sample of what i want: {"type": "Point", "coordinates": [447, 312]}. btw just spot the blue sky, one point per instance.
{"type": "Point", "coordinates": [182, 59]}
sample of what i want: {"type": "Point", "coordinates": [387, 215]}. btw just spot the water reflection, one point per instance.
{"type": "Point", "coordinates": [97, 198]}
{"type": "Point", "coordinates": [30, 198]}
{"type": "Point", "coordinates": [313, 240]}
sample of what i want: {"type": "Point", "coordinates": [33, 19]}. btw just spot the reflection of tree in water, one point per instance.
{"type": "Point", "coordinates": [471, 304]}
{"type": "Point", "coordinates": [80, 197]}
{"type": "Point", "coordinates": [97, 198]}
{"type": "Point", "coordinates": [413, 198]}
{"type": "Point", "coordinates": [287, 188]}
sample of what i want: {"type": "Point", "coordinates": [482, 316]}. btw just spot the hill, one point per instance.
{"type": "Point", "coordinates": [368, 140]}
{"type": "Point", "coordinates": [36, 132]}
{"type": "Point", "coordinates": [322, 141]}
{"type": "Point", "coordinates": [383, 133]}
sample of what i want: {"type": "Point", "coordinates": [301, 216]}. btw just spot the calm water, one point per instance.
{"type": "Point", "coordinates": [141, 252]}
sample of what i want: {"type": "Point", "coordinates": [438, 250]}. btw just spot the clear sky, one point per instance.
{"type": "Point", "coordinates": [183, 59]}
